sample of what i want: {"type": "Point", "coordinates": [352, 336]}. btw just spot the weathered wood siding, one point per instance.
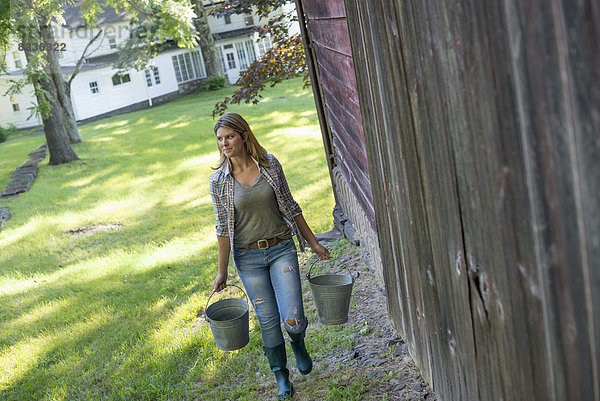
{"type": "Point", "coordinates": [482, 128]}
{"type": "Point", "coordinates": [330, 41]}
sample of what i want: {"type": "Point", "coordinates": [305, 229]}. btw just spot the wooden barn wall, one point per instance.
{"type": "Point", "coordinates": [482, 129]}
{"type": "Point", "coordinates": [330, 41]}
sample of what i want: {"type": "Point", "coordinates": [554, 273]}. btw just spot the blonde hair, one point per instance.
{"type": "Point", "coordinates": [237, 123]}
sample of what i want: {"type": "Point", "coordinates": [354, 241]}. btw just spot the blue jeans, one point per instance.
{"type": "Point", "coordinates": [272, 280]}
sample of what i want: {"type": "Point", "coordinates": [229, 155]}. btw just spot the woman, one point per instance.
{"type": "Point", "coordinates": [256, 218]}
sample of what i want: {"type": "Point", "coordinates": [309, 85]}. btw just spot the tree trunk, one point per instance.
{"type": "Point", "coordinates": [206, 41]}
{"type": "Point", "coordinates": [57, 140]}
{"type": "Point", "coordinates": [62, 92]}
{"type": "Point", "coordinates": [70, 121]}
{"type": "Point", "coordinates": [59, 146]}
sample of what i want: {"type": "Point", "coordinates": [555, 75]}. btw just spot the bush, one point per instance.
{"type": "Point", "coordinates": [214, 83]}
{"type": "Point", "coordinates": [6, 132]}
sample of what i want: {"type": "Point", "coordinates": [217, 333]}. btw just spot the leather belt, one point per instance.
{"type": "Point", "coordinates": [264, 243]}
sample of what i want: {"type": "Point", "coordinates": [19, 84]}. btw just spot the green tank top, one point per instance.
{"type": "Point", "coordinates": [257, 214]}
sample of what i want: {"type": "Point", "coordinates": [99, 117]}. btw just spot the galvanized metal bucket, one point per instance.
{"type": "Point", "coordinates": [229, 322]}
{"type": "Point", "coordinates": [331, 293]}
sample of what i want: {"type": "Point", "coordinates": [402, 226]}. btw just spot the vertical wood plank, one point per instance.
{"type": "Point", "coordinates": [481, 129]}
{"type": "Point", "coordinates": [426, 257]}
{"type": "Point", "coordinates": [335, 71]}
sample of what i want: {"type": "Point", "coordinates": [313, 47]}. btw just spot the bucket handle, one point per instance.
{"type": "Point", "coordinates": [354, 275]}
{"type": "Point", "coordinates": [213, 293]}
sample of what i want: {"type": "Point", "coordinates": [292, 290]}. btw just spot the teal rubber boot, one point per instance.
{"type": "Point", "coordinates": [303, 359]}
{"type": "Point", "coordinates": [277, 362]}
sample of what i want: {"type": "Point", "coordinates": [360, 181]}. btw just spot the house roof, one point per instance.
{"type": "Point", "coordinates": [106, 59]}
{"type": "Point", "coordinates": [91, 63]}
{"type": "Point", "coordinates": [108, 16]}
{"type": "Point", "coordinates": [102, 60]}
{"type": "Point", "coordinates": [234, 34]}
{"type": "Point", "coordinates": [69, 69]}
{"type": "Point", "coordinates": [65, 69]}
{"type": "Point", "coordinates": [12, 73]}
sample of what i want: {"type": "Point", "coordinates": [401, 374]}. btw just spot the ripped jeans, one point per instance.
{"type": "Point", "coordinates": [272, 280]}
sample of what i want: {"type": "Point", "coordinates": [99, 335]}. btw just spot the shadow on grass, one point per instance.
{"type": "Point", "coordinates": [135, 338]}
{"type": "Point", "coordinates": [112, 315]}
{"type": "Point", "coordinates": [110, 335]}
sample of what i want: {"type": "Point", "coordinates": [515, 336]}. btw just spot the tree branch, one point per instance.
{"type": "Point", "coordinates": [80, 61]}
{"type": "Point", "coordinates": [140, 10]}
{"type": "Point", "coordinates": [283, 61]}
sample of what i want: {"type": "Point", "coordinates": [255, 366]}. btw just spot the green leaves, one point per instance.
{"type": "Point", "coordinates": [283, 61]}
{"type": "Point", "coordinates": [261, 7]}
{"type": "Point", "coordinates": [154, 25]}
{"type": "Point", "coordinates": [5, 6]}
{"type": "Point", "coordinates": [4, 9]}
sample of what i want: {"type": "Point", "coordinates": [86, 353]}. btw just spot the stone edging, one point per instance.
{"type": "Point", "coordinates": [361, 229]}
{"type": "Point", "coordinates": [22, 179]}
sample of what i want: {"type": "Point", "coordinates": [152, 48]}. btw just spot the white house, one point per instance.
{"type": "Point", "coordinates": [98, 90]}
{"type": "Point", "coordinates": [14, 109]}
{"type": "Point", "coordinates": [237, 43]}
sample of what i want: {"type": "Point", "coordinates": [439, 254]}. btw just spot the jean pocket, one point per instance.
{"type": "Point", "coordinates": [239, 252]}
{"type": "Point", "coordinates": [289, 243]}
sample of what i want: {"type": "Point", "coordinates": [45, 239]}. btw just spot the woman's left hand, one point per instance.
{"type": "Point", "coordinates": [321, 251]}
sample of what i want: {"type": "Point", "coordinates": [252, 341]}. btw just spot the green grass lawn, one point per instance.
{"type": "Point", "coordinates": [13, 154]}
{"type": "Point", "coordinates": [107, 261]}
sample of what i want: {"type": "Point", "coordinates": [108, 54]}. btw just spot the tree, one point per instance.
{"type": "Point", "coordinates": [206, 41]}
{"type": "Point", "coordinates": [47, 85]}
{"type": "Point", "coordinates": [29, 21]}
{"type": "Point", "coordinates": [4, 27]}
{"type": "Point", "coordinates": [283, 61]}
{"type": "Point", "coordinates": [146, 40]}
{"type": "Point", "coordinates": [28, 24]}
{"type": "Point", "coordinates": [55, 121]}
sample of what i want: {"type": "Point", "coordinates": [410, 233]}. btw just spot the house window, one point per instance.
{"type": "Point", "coordinates": [156, 75]}
{"type": "Point", "coordinates": [250, 50]}
{"type": "Point", "coordinates": [227, 19]}
{"type": "Point", "coordinates": [230, 61]}
{"type": "Point", "coordinates": [94, 87]}
{"type": "Point", "coordinates": [248, 20]}
{"type": "Point", "coordinates": [187, 69]}
{"type": "Point", "coordinates": [264, 45]}
{"type": "Point", "coordinates": [241, 53]}
{"type": "Point", "coordinates": [223, 62]}
{"type": "Point", "coordinates": [118, 79]}
{"type": "Point", "coordinates": [17, 58]}
{"type": "Point", "coordinates": [152, 72]}
{"type": "Point", "coordinates": [112, 42]}
{"type": "Point", "coordinates": [15, 103]}
{"type": "Point", "coordinates": [246, 53]}
{"type": "Point", "coordinates": [188, 66]}
{"type": "Point", "coordinates": [198, 64]}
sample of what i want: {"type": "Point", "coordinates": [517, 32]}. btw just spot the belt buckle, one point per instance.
{"type": "Point", "coordinates": [266, 242]}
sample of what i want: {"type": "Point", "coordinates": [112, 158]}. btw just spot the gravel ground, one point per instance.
{"type": "Point", "coordinates": [375, 364]}
{"type": "Point", "coordinates": [380, 354]}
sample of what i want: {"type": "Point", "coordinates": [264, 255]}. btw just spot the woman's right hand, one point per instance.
{"type": "Point", "coordinates": [220, 282]}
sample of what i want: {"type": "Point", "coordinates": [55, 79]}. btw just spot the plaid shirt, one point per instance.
{"type": "Point", "coordinates": [221, 191]}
